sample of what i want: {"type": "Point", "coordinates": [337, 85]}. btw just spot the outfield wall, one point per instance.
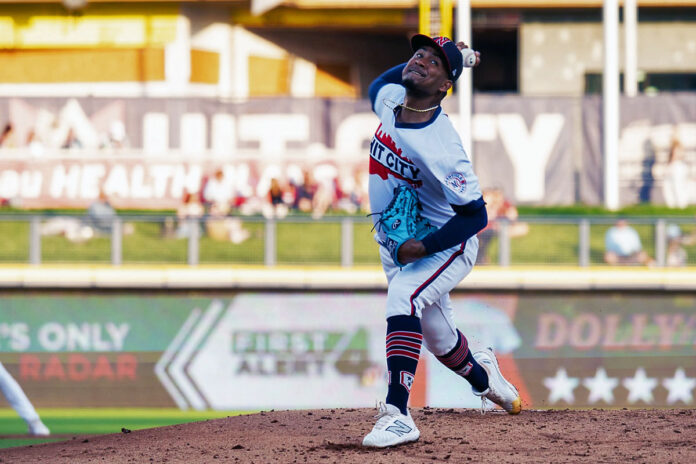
{"type": "Point", "coordinates": [319, 346]}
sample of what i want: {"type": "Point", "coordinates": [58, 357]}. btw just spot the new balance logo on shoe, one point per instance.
{"type": "Point", "coordinates": [399, 428]}
{"type": "Point", "coordinates": [392, 428]}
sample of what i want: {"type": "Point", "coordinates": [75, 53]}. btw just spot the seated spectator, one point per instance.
{"type": "Point", "coordinates": [623, 246]}
{"type": "Point", "coordinates": [71, 141]}
{"type": "Point", "coordinates": [304, 194]}
{"type": "Point", "coordinates": [324, 198]}
{"type": "Point", "coordinates": [190, 208]}
{"type": "Point", "coordinates": [35, 145]}
{"type": "Point", "coordinates": [219, 199]}
{"type": "Point", "coordinates": [275, 205]}
{"type": "Point", "coordinates": [498, 208]}
{"type": "Point", "coordinates": [217, 195]}
{"type": "Point", "coordinates": [226, 228]}
{"type": "Point", "coordinates": [351, 192]}
{"type": "Point", "coordinates": [99, 221]}
{"type": "Point", "coordinates": [676, 254]}
{"type": "Point", "coordinates": [100, 215]}
{"type": "Point", "coordinates": [73, 229]}
{"type": "Point", "coordinates": [7, 137]}
{"type": "Point", "coordinates": [116, 137]}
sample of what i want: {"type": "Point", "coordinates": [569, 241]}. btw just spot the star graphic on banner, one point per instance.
{"type": "Point", "coordinates": [679, 387]}
{"type": "Point", "coordinates": [640, 387]}
{"type": "Point", "coordinates": [561, 386]}
{"type": "Point", "coordinates": [601, 387]}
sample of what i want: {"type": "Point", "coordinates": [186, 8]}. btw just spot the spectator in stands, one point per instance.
{"type": "Point", "coordinates": [676, 187]}
{"type": "Point", "coordinates": [116, 137]}
{"type": "Point", "coordinates": [98, 221]}
{"type": "Point", "coordinates": [676, 254]}
{"type": "Point", "coordinates": [623, 246]}
{"type": "Point", "coordinates": [499, 209]}
{"type": "Point", "coordinates": [350, 195]}
{"type": "Point", "coordinates": [73, 229]}
{"type": "Point", "coordinates": [275, 206]}
{"type": "Point", "coordinates": [304, 193]}
{"type": "Point", "coordinates": [100, 215]}
{"type": "Point", "coordinates": [190, 208]}
{"type": "Point", "coordinates": [324, 197]}
{"type": "Point", "coordinates": [71, 141]}
{"type": "Point", "coordinates": [35, 145]}
{"type": "Point", "coordinates": [358, 195]}
{"type": "Point", "coordinates": [218, 195]}
{"type": "Point", "coordinates": [7, 137]}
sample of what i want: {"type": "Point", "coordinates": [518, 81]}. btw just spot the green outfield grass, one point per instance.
{"type": "Point", "coordinates": [297, 243]}
{"type": "Point", "coordinates": [311, 243]}
{"type": "Point", "coordinates": [66, 423]}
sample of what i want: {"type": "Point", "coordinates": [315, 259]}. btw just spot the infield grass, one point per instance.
{"type": "Point", "coordinates": [68, 423]}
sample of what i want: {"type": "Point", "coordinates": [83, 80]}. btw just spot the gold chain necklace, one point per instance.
{"type": "Point", "coordinates": [415, 110]}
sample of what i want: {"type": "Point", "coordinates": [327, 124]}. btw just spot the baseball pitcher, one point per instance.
{"type": "Point", "coordinates": [428, 207]}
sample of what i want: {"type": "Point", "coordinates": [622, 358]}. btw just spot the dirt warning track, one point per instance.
{"type": "Point", "coordinates": [447, 435]}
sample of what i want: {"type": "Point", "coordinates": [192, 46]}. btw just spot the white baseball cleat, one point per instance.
{"type": "Point", "coordinates": [499, 391]}
{"type": "Point", "coordinates": [38, 429]}
{"type": "Point", "coordinates": [392, 428]}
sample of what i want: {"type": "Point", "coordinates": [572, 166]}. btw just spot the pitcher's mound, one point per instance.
{"type": "Point", "coordinates": [447, 435]}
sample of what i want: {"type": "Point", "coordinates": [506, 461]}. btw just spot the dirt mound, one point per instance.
{"type": "Point", "coordinates": [447, 435]}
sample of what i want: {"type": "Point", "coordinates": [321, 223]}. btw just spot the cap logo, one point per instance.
{"type": "Point", "coordinates": [441, 41]}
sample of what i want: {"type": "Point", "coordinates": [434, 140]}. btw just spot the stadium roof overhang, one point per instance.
{"type": "Point", "coordinates": [386, 15]}
{"type": "Point", "coordinates": [358, 4]}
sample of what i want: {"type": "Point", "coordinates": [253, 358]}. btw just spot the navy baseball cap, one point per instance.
{"type": "Point", "coordinates": [447, 48]}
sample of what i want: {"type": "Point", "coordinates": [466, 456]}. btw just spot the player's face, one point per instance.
{"type": "Point", "coordinates": [426, 73]}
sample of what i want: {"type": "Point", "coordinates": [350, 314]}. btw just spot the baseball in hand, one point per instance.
{"type": "Point", "coordinates": [469, 57]}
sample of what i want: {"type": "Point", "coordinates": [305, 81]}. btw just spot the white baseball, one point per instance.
{"type": "Point", "coordinates": [469, 57]}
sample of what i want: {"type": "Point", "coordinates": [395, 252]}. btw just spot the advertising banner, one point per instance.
{"type": "Point", "coordinates": [594, 349]}
{"type": "Point", "coordinates": [146, 183]}
{"type": "Point", "coordinates": [83, 350]}
{"type": "Point", "coordinates": [146, 152]}
{"type": "Point", "coordinates": [263, 350]}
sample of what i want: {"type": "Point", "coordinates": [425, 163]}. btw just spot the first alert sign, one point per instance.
{"type": "Point", "coordinates": [279, 351]}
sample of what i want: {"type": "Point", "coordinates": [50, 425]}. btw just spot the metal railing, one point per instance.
{"type": "Point", "coordinates": [344, 240]}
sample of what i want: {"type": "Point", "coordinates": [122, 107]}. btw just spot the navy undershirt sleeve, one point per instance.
{"type": "Point", "coordinates": [469, 220]}
{"type": "Point", "coordinates": [392, 76]}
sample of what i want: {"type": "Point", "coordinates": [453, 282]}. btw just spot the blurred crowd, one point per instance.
{"type": "Point", "coordinates": [218, 208]}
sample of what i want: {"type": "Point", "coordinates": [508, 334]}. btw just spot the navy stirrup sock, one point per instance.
{"type": "Point", "coordinates": [461, 360]}
{"type": "Point", "coordinates": [404, 340]}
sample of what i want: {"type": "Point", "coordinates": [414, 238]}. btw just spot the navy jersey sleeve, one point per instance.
{"type": "Point", "coordinates": [392, 76]}
{"type": "Point", "coordinates": [469, 220]}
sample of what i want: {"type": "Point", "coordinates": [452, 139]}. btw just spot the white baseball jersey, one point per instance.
{"type": "Point", "coordinates": [428, 156]}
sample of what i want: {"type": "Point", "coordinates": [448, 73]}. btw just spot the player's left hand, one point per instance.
{"type": "Point", "coordinates": [461, 46]}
